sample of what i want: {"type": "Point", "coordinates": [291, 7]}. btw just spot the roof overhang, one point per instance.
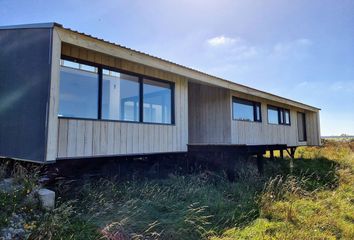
{"type": "Point", "coordinates": [100, 45]}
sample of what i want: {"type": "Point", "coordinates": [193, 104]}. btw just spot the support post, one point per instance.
{"type": "Point", "coordinates": [292, 156]}
{"type": "Point", "coordinates": [293, 150]}
{"type": "Point", "coordinates": [281, 154]}
{"type": "Point", "coordinates": [271, 154]}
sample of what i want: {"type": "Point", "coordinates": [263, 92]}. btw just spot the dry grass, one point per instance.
{"type": "Point", "coordinates": [314, 200]}
{"type": "Point", "coordinates": [292, 209]}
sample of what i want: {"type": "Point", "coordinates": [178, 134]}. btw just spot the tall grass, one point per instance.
{"type": "Point", "coordinates": [314, 203]}
{"type": "Point", "coordinates": [181, 207]}
{"type": "Point", "coordinates": [314, 200]}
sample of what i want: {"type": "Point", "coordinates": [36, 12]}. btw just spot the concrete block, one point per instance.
{"type": "Point", "coordinates": [46, 198]}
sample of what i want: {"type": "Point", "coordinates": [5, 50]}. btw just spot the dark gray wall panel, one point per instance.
{"type": "Point", "coordinates": [24, 90]}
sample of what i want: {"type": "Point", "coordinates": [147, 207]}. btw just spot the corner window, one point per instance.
{"type": "Point", "coordinates": [102, 93]}
{"type": "Point", "coordinates": [277, 115]}
{"type": "Point", "coordinates": [120, 96]}
{"type": "Point", "coordinates": [78, 90]}
{"type": "Point", "coordinates": [157, 101]}
{"type": "Point", "coordinates": [246, 110]}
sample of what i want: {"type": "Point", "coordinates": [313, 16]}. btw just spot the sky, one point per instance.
{"type": "Point", "coordinates": [298, 49]}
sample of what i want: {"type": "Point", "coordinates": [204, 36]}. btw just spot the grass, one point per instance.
{"type": "Point", "coordinates": [312, 200]}
{"type": "Point", "coordinates": [311, 204]}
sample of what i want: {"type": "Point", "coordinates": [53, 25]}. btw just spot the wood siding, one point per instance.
{"type": "Point", "coordinates": [258, 133]}
{"type": "Point", "coordinates": [203, 114]}
{"type": "Point", "coordinates": [209, 114]}
{"type": "Point", "coordinates": [313, 128]}
{"type": "Point", "coordinates": [87, 138]}
{"type": "Point", "coordinates": [210, 120]}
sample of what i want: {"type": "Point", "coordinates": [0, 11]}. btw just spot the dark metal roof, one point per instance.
{"type": "Point", "coordinates": [54, 24]}
{"type": "Point", "coordinates": [34, 25]}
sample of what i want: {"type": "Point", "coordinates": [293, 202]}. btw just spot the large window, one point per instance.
{"type": "Point", "coordinates": [277, 115]}
{"type": "Point", "coordinates": [99, 93]}
{"type": "Point", "coordinates": [246, 110]}
{"type": "Point", "coordinates": [120, 96]}
{"type": "Point", "coordinates": [157, 98]}
{"type": "Point", "coordinates": [78, 90]}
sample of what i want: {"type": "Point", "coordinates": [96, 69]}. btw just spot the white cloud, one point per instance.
{"type": "Point", "coordinates": [231, 49]}
{"type": "Point", "coordinates": [290, 49]}
{"type": "Point", "coordinates": [222, 41]}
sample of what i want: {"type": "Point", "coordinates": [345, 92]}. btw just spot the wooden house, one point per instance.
{"type": "Point", "coordinates": [65, 94]}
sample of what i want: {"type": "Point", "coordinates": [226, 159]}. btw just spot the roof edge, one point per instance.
{"type": "Point", "coordinates": [228, 83]}
{"type": "Point", "coordinates": [55, 24]}
{"type": "Point", "coordinates": [32, 25]}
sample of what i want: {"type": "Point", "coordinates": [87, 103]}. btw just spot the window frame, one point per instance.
{"type": "Point", "coordinates": [254, 104]}
{"type": "Point", "coordinates": [281, 115]}
{"type": "Point", "coordinates": [100, 68]}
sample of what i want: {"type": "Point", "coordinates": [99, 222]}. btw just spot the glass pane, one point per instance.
{"type": "Point", "coordinates": [243, 110]}
{"type": "Point", "coordinates": [258, 113]}
{"type": "Point", "coordinates": [78, 95]}
{"type": "Point", "coordinates": [281, 115]}
{"type": "Point", "coordinates": [88, 68]}
{"type": "Point", "coordinates": [287, 116]}
{"type": "Point", "coordinates": [157, 102]}
{"type": "Point", "coordinates": [120, 96]}
{"type": "Point", "coordinates": [273, 116]}
{"type": "Point", "coordinates": [71, 64]}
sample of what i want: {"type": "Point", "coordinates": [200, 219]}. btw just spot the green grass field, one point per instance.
{"type": "Point", "coordinates": [312, 200]}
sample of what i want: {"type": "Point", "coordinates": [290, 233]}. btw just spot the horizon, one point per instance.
{"type": "Point", "coordinates": [301, 51]}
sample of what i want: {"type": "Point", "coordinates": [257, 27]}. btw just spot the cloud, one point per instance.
{"type": "Point", "coordinates": [222, 41]}
{"type": "Point", "coordinates": [245, 52]}
{"type": "Point", "coordinates": [231, 48]}
{"type": "Point", "coordinates": [342, 86]}
{"type": "Point", "coordinates": [295, 48]}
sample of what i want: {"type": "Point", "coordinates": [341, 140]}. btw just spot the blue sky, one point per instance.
{"type": "Point", "coordinates": [299, 49]}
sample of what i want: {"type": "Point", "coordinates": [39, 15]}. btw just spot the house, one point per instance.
{"type": "Point", "coordinates": [67, 95]}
